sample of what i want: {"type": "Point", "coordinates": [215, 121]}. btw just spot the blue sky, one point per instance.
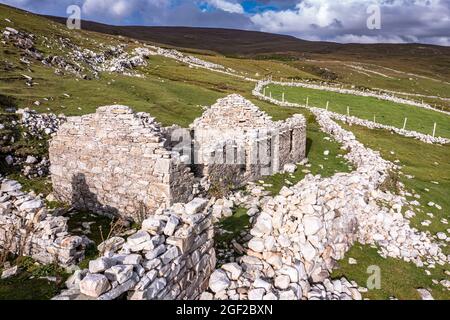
{"type": "Point", "coordinates": [402, 21]}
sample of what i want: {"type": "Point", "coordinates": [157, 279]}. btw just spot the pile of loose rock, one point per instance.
{"type": "Point", "coordinates": [62, 66]}
{"type": "Point", "coordinates": [293, 241]}
{"type": "Point", "coordinates": [28, 228]}
{"type": "Point", "coordinates": [300, 234]}
{"type": "Point", "coordinates": [119, 61]}
{"type": "Point", "coordinates": [30, 166]}
{"type": "Point", "coordinates": [24, 41]}
{"type": "Point", "coordinates": [171, 257]}
{"type": "Point", "coordinates": [23, 156]}
{"type": "Point", "coordinates": [40, 124]}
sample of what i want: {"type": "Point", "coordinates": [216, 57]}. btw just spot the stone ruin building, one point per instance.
{"type": "Point", "coordinates": [118, 162]}
{"type": "Point", "coordinates": [237, 141]}
{"type": "Point", "coordinates": [115, 161]}
{"type": "Point", "coordinates": [28, 228]}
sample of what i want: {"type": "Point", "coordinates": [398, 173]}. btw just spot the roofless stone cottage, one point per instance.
{"type": "Point", "coordinates": [117, 162]}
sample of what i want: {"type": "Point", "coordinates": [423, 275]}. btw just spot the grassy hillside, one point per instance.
{"type": "Point", "coordinates": [418, 58]}
{"type": "Point", "coordinates": [231, 42]}
{"type": "Point", "coordinates": [170, 91]}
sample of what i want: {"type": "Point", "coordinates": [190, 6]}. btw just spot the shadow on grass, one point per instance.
{"type": "Point", "coordinates": [309, 143]}
{"type": "Point", "coordinates": [234, 225]}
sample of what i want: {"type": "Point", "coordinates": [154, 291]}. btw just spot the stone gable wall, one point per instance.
{"type": "Point", "coordinates": [115, 162]}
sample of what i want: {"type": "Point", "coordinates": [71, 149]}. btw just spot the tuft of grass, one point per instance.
{"type": "Point", "coordinates": [235, 224]}
{"type": "Point", "coordinates": [101, 225]}
{"type": "Point", "coordinates": [38, 185]}
{"type": "Point", "coordinates": [31, 283]}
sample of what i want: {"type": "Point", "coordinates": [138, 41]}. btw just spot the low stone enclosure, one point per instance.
{"type": "Point", "coordinates": [118, 162]}
{"type": "Point", "coordinates": [171, 257]}
{"type": "Point", "coordinates": [27, 228]}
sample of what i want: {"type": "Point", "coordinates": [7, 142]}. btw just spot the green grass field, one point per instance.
{"type": "Point", "coordinates": [387, 75]}
{"type": "Point", "coordinates": [399, 279]}
{"type": "Point", "coordinates": [386, 112]}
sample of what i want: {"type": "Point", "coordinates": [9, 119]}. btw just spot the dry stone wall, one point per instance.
{"type": "Point", "coordinates": [28, 228]}
{"type": "Point", "coordinates": [382, 95]}
{"type": "Point", "coordinates": [351, 119]}
{"type": "Point", "coordinates": [171, 257]}
{"type": "Point", "coordinates": [115, 162]}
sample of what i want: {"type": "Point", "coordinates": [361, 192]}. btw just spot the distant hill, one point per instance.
{"type": "Point", "coordinates": [225, 41]}
{"type": "Point", "coordinates": [431, 59]}
{"type": "Point", "coordinates": [241, 42]}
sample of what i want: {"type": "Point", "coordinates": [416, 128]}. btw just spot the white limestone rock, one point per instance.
{"type": "Point", "coordinates": [425, 294]}
{"type": "Point", "coordinates": [100, 264]}
{"type": "Point", "coordinates": [94, 285]}
{"type": "Point", "coordinates": [171, 225]}
{"type": "Point", "coordinates": [218, 281]}
{"type": "Point", "coordinates": [195, 206]}
{"type": "Point", "coordinates": [10, 272]}
{"type": "Point", "coordinates": [311, 224]}
{"type": "Point", "coordinates": [256, 294]}
{"type": "Point", "coordinates": [119, 273]}
{"type": "Point", "coordinates": [158, 251]}
{"type": "Point", "coordinates": [152, 225]}
{"type": "Point", "coordinates": [263, 225]}
{"type": "Point", "coordinates": [112, 244]}
{"type": "Point", "coordinates": [234, 269]}
{"type": "Point", "coordinates": [282, 282]}
{"type": "Point", "coordinates": [256, 244]}
{"type": "Point", "coordinates": [139, 241]}
{"type": "Point", "coordinates": [289, 168]}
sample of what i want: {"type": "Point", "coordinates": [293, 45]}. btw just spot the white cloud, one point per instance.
{"type": "Point", "coordinates": [426, 21]}
{"type": "Point", "coordinates": [113, 8]}
{"type": "Point", "coordinates": [227, 6]}
{"type": "Point", "coordinates": [352, 38]}
{"type": "Point", "coordinates": [346, 20]}
{"type": "Point", "coordinates": [441, 41]}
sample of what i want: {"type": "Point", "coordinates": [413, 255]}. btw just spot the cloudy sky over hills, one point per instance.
{"type": "Point", "coordinates": [425, 21]}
